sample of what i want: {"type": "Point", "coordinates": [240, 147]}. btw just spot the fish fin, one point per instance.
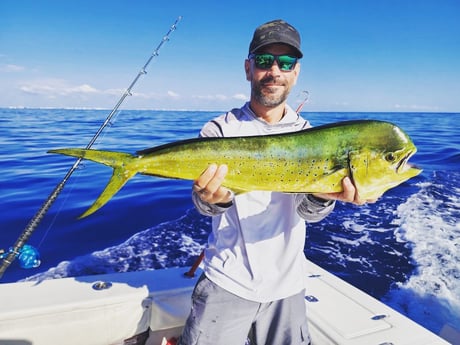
{"type": "Point", "coordinates": [328, 183]}
{"type": "Point", "coordinates": [238, 191]}
{"type": "Point", "coordinates": [109, 158]}
{"type": "Point", "coordinates": [119, 177]}
{"type": "Point", "coordinates": [119, 161]}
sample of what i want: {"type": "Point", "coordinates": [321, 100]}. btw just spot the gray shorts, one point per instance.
{"type": "Point", "coordinates": [219, 317]}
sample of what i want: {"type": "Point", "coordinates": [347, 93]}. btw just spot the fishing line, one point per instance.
{"type": "Point", "coordinates": [61, 206]}
{"type": "Point", "coordinates": [20, 247]}
{"type": "Point", "coordinates": [72, 185]}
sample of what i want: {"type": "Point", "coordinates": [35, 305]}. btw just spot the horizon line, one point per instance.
{"type": "Point", "coordinates": [223, 111]}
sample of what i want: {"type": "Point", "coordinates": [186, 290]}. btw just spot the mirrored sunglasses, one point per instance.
{"type": "Point", "coordinates": [265, 61]}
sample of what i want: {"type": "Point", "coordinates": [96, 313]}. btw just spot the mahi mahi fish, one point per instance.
{"type": "Point", "coordinates": [374, 154]}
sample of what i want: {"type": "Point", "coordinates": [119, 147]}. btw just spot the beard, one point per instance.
{"type": "Point", "coordinates": [269, 96]}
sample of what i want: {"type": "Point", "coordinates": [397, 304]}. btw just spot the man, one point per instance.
{"type": "Point", "coordinates": [253, 282]}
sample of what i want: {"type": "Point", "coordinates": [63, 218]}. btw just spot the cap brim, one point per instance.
{"type": "Point", "coordinates": [298, 52]}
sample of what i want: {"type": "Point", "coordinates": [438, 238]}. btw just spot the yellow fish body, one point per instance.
{"type": "Point", "coordinates": [373, 154]}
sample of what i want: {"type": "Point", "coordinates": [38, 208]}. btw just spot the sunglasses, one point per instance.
{"type": "Point", "coordinates": [265, 61]}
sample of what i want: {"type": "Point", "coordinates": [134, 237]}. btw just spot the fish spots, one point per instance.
{"type": "Point", "coordinates": [317, 168]}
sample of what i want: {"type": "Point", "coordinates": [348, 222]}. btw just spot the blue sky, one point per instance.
{"type": "Point", "coordinates": [359, 55]}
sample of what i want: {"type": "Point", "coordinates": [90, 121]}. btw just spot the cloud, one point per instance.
{"type": "Point", "coordinates": [11, 68]}
{"type": "Point", "coordinates": [240, 97]}
{"type": "Point", "coordinates": [67, 93]}
{"type": "Point", "coordinates": [220, 97]}
{"type": "Point", "coordinates": [154, 95]}
{"type": "Point", "coordinates": [173, 94]}
{"type": "Point", "coordinates": [57, 87]}
{"type": "Point", "coordinates": [85, 88]}
{"type": "Point", "coordinates": [415, 107]}
{"type": "Point", "coordinates": [208, 97]}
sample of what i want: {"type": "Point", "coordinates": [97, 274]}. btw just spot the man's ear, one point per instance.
{"type": "Point", "coordinates": [247, 69]}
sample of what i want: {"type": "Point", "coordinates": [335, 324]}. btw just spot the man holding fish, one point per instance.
{"type": "Point", "coordinates": [264, 172]}
{"type": "Point", "coordinates": [253, 282]}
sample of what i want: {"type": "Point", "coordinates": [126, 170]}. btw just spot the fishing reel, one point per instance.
{"type": "Point", "coordinates": [28, 256]}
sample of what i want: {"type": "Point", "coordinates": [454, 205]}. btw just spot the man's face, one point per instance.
{"type": "Point", "coordinates": [271, 87]}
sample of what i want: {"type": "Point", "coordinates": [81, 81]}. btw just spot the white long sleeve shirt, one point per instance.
{"type": "Point", "coordinates": [255, 249]}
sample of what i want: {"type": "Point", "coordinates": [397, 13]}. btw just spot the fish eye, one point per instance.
{"type": "Point", "coordinates": [390, 157]}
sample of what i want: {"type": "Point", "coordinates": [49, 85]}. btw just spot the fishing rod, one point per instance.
{"type": "Point", "coordinates": [17, 249]}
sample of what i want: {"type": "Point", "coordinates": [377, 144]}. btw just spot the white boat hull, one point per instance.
{"type": "Point", "coordinates": [155, 304]}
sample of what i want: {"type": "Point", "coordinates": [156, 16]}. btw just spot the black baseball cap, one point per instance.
{"type": "Point", "coordinates": [275, 31]}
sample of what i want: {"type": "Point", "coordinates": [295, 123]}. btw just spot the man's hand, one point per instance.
{"type": "Point", "coordinates": [349, 194]}
{"type": "Point", "coordinates": [209, 185]}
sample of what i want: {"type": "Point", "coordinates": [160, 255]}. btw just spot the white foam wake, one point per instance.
{"type": "Point", "coordinates": [427, 222]}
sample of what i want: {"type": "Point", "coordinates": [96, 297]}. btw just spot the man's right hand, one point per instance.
{"type": "Point", "coordinates": [209, 185]}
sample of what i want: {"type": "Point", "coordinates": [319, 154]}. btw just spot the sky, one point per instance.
{"type": "Point", "coordinates": [359, 55]}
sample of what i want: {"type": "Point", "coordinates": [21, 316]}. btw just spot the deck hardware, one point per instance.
{"type": "Point", "coordinates": [311, 298]}
{"type": "Point", "coordinates": [100, 285]}
{"type": "Point", "coordinates": [379, 317]}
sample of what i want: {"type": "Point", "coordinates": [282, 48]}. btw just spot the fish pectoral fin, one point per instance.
{"type": "Point", "coordinates": [357, 167]}
{"type": "Point", "coordinates": [119, 177]}
{"type": "Point", "coordinates": [330, 182]}
{"type": "Point", "coordinates": [238, 191]}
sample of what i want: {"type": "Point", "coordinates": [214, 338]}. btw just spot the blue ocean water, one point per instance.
{"type": "Point", "coordinates": [403, 250]}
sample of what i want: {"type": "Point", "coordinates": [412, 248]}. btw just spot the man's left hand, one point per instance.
{"type": "Point", "coordinates": [349, 194]}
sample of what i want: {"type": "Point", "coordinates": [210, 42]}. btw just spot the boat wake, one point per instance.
{"type": "Point", "coordinates": [428, 223]}
{"type": "Point", "coordinates": [170, 244]}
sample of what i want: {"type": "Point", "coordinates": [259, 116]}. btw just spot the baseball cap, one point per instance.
{"type": "Point", "coordinates": [275, 31]}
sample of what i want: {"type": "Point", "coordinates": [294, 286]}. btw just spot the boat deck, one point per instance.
{"type": "Point", "coordinates": [156, 303]}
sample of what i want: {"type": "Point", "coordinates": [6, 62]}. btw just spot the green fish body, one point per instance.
{"type": "Point", "coordinates": [373, 154]}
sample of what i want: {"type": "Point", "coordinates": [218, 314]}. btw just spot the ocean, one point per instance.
{"type": "Point", "coordinates": [403, 250]}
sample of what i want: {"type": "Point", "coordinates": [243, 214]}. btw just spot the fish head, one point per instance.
{"type": "Point", "coordinates": [381, 162]}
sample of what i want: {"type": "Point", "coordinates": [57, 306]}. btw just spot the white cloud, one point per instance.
{"type": "Point", "coordinates": [156, 96]}
{"type": "Point", "coordinates": [173, 94]}
{"type": "Point", "coordinates": [415, 107]}
{"type": "Point", "coordinates": [85, 88]}
{"type": "Point", "coordinates": [115, 92]}
{"type": "Point", "coordinates": [57, 87]}
{"type": "Point", "coordinates": [221, 97]}
{"type": "Point", "coordinates": [218, 97]}
{"type": "Point", "coordinates": [240, 97]}
{"type": "Point", "coordinates": [68, 93]}
{"type": "Point", "coordinates": [11, 68]}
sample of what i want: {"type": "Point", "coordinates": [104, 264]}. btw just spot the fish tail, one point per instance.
{"type": "Point", "coordinates": [123, 170]}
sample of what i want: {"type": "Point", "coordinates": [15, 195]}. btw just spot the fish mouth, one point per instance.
{"type": "Point", "coordinates": [404, 165]}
